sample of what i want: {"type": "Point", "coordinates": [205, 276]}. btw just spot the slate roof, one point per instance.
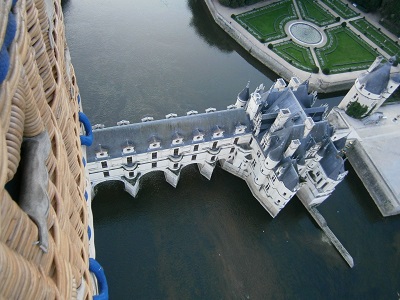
{"type": "Point", "coordinates": [290, 178]}
{"type": "Point", "coordinates": [377, 80]}
{"type": "Point", "coordinates": [332, 163]}
{"type": "Point", "coordinates": [244, 95]}
{"type": "Point", "coordinates": [113, 139]}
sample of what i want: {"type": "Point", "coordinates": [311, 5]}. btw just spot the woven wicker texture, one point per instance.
{"type": "Point", "coordinates": [40, 93]}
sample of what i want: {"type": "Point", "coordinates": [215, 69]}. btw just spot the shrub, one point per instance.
{"type": "Point", "coordinates": [315, 69]}
{"type": "Point", "coordinates": [233, 16]}
{"type": "Point", "coordinates": [356, 110]}
{"type": "Point", "coordinates": [337, 19]}
{"type": "Point", "coordinates": [326, 71]}
{"type": "Point", "coordinates": [344, 24]}
{"type": "Point", "coordinates": [270, 46]}
{"type": "Point", "coordinates": [262, 40]}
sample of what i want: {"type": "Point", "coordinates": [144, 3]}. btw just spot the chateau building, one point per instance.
{"type": "Point", "coordinates": [273, 139]}
{"type": "Point", "coordinates": [373, 87]}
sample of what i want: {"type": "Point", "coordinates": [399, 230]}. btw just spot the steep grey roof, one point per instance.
{"type": "Point", "coordinates": [289, 176]}
{"type": "Point", "coordinates": [332, 163]}
{"type": "Point", "coordinates": [276, 153]}
{"type": "Point", "coordinates": [340, 143]}
{"type": "Point", "coordinates": [377, 80]}
{"type": "Point", "coordinates": [284, 99]}
{"type": "Point", "coordinates": [113, 139]}
{"type": "Point", "coordinates": [302, 95]}
{"type": "Point", "coordinates": [244, 95]}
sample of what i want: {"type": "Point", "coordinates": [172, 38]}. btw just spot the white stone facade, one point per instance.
{"type": "Point", "coordinates": [273, 144]}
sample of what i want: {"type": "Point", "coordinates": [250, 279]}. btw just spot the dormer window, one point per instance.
{"type": "Point", "coordinates": [198, 135]}
{"type": "Point", "coordinates": [154, 143]}
{"type": "Point", "coordinates": [192, 112]}
{"type": "Point", "coordinates": [177, 139]}
{"type": "Point", "coordinates": [210, 110]}
{"type": "Point", "coordinates": [102, 153]}
{"type": "Point", "coordinates": [240, 128]}
{"type": "Point", "coordinates": [218, 132]}
{"type": "Point", "coordinates": [128, 149]}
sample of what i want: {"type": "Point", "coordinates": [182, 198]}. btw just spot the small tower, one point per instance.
{"type": "Point", "coordinates": [372, 88]}
{"type": "Point", "coordinates": [254, 102]}
{"type": "Point", "coordinates": [243, 97]}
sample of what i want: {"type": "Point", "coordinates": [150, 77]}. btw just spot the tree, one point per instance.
{"type": "Point", "coordinates": [356, 110]}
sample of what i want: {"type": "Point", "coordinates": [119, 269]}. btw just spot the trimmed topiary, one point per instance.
{"type": "Point", "coordinates": [270, 46]}
{"type": "Point", "coordinates": [315, 69]}
{"type": "Point", "coordinates": [326, 71]}
{"type": "Point", "coordinates": [344, 24]}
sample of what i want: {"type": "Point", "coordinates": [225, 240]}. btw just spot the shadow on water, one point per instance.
{"type": "Point", "coordinates": [362, 196]}
{"type": "Point", "coordinates": [205, 27]}
{"type": "Point", "coordinates": [215, 36]}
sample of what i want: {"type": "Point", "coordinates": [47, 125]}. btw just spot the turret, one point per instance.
{"type": "Point", "coordinates": [254, 102]}
{"type": "Point", "coordinates": [243, 97]}
{"type": "Point", "coordinates": [291, 149]}
{"type": "Point", "coordinates": [371, 89]}
{"type": "Point", "coordinates": [308, 126]}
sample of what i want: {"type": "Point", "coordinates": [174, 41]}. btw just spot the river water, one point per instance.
{"type": "Point", "coordinates": [208, 239]}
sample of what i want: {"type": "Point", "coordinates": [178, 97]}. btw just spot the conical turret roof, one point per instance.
{"type": "Point", "coordinates": [244, 95]}
{"type": "Point", "coordinates": [377, 80]}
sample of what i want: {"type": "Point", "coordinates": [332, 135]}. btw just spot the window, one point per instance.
{"type": "Point", "coordinates": [236, 141]}
{"type": "Point", "coordinates": [106, 174]}
{"type": "Point", "coordinates": [196, 148]}
{"type": "Point", "coordinates": [214, 145]}
{"type": "Point", "coordinates": [212, 158]}
{"type": "Point", "coordinates": [154, 165]}
{"type": "Point", "coordinates": [176, 151]}
{"type": "Point", "coordinates": [232, 149]}
{"type": "Point", "coordinates": [258, 153]}
{"type": "Point", "coordinates": [131, 174]}
{"type": "Point", "coordinates": [129, 160]}
{"type": "Point", "coordinates": [175, 166]}
{"type": "Point", "coordinates": [251, 140]}
{"type": "Point", "coordinates": [194, 157]}
{"type": "Point", "coordinates": [154, 155]}
{"type": "Point", "coordinates": [253, 164]}
{"type": "Point", "coordinates": [104, 164]}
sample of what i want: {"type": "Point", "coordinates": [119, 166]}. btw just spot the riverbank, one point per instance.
{"type": "Point", "coordinates": [319, 82]}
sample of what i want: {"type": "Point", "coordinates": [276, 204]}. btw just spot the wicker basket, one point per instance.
{"type": "Point", "coordinates": [40, 93]}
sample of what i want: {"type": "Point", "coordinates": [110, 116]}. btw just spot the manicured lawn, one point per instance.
{"type": "Point", "coordinates": [314, 12]}
{"type": "Point", "coordinates": [341, 8]}
{"type": "Point", "coordinates": [345, 52]}
{"type": "Point", "coordinates": [296, 55]}
{"type": "Point", "coordinates": [376, 36]}
{"type": "Point", "coordinates": [267, 23]}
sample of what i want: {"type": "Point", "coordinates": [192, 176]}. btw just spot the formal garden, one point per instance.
{"type": "Point", "coordinates": [326, 36]}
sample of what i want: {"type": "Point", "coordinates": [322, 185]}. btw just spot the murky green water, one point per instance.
{"type": "Point", "coordinates": [208, 239]}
